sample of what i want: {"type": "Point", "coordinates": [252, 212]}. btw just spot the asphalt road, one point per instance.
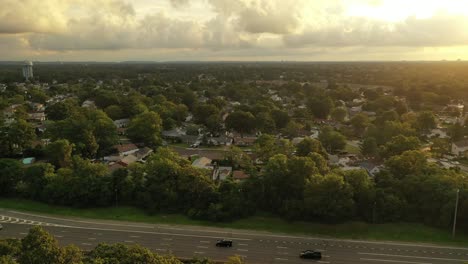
{"type": "Point", "coordinates": [255, 247]}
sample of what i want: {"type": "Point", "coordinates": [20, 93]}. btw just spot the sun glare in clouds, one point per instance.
{"type": "Point", "coordinates": [398, 10]}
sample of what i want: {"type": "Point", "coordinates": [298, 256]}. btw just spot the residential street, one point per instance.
{"type": "Point", "coordinates": [256, 247]}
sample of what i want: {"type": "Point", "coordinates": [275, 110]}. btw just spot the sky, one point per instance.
{"type": "Point", "coordinates": [233, 30]}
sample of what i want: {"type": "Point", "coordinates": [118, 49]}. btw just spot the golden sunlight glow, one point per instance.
{"type": "Point", "coordinates": [398, 10]}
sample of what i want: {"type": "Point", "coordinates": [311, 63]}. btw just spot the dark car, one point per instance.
{"type": "Point", "coordinates": [224, 243]}
{"type": "Point", "coordinates": [311, 254]}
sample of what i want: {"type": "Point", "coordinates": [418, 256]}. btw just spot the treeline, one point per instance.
{"type": "Point", "coordinates": [298, 186]}
{"type": "Point", "coordinates": [38, 246]}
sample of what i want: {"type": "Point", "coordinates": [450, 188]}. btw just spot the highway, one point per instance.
{"type": "Point", "coordinates": [254, 246]}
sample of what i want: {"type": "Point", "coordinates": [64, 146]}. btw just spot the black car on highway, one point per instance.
{"type": "Point", "coordinates": [311, 254]}
{"type": "Point", "coordinates": [224, 243]}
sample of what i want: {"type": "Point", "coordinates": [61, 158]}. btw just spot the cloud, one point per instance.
{"type": "Point", "coordinates": [439, 30]}
{"type": "Point", "coordinates": [31, 16]}
{"type": "Point", "coordinates": [261, 16]}
{"type": "Point", "coordinates": [224, 28]}
{"type": "Point", "coordinates": [179, 3]}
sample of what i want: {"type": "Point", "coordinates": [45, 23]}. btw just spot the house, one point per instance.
{"type": "Point", "coordinates": [121, 123]}
{"type": "Point", "coordinates": [460, 148]}
{"type": "Point", "coordinates": [114, 166]}
{"type": "Point", "coordinates": [244, 141]}
{"type": "Point", "coordinates": [438, 133]}
{"type": "Point", "coordinates": [221, 173]}
{"type": "Point", "coordinates": [126, 149]}
{"type": "Point", "coordinates": [239, 175]}
{"type": "Point", "coordinates": [174, 135]}
{"type": "Point", "coordinates": [88, 104]}
{"type": "Point", "coordinates": [143, 153]}
{"type": "Point", "coordinates": [37, 107]}
{"type": "Point", "coordinates": [202, 163]}
{"type": "Point", "coordinates": [127, 160]}
{"type": "Point", "coordinates": [36, 117]}
{"type": "Point", "coordinates": [370, 167]}
{"type": "Point", "coordinates": [221, 140]}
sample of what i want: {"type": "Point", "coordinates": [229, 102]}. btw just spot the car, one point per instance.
{"type": "Point", "coordinates": [224, 243]}
{"type": "Point", "coordinates": [311, 254]}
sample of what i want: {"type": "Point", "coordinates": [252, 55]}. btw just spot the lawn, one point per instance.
{"type": "Point", "coordinates": [406, 232]}
{"type": "Point", "coordinates": [352, 149]}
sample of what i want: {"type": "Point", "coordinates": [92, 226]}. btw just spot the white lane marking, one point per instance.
{"type": "Point", "coordinates": [58, 236]}
{"type": "Point", "coordinates": [198, 252]}
{"type": "Point", "coordinates": [153, 233]}
{"type": "Point", "coordinates": [23, 233]}
{"type": "Point", "coordinates": [202, 247]}
{"type": "Point", "coordinates": [167, 239]}
{"type": "Point", "coordinates": [404, 256]}
{"type": "Point", "coordinates": [160, 249]}
{"type": "Point", "coordinates": [165, 244]}
{"type": "Point", "coordinates": [242, 249]}
{"type": "Point", "coordinates": [395, 261]}
{"type": "Point", "coordinates": [240, 244]}
{"type": "Point", "coordinates": [204, 241]}
{"type": "Point", "coordinates": [86, 244]}
{"type": "Point", "coordinates": [321, 261]}
{"type": "Point", "coordinates": [281, 247]}
{"type": "Point", "coordinates": [92, 238]}
{"type": "Point", "coordinates": [281, 259]}
{"type": "Point", "coordinates": [134, 236]}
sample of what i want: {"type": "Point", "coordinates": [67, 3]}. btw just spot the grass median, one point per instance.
{"type": "Point", "coordinates": [402, 232]}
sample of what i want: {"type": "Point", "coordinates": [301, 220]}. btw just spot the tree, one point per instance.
{"type": "Point", "coordinates": [235, 260]}
{"type": "Point", "coordinates": [203, 111]}
{"type": "Point", "coordinates": [281, 118]}
{"type": "Point", "coordinates": [410, 162]}
{"type": "Point", "coordinates": [400, 144]}
{"type": "Point", "coordinates": [10, 174]}
{"type": "Point", "coordinates": [310, 145]}
{"type": "Point", "coordinates": [82, 184]}
{"type": "Point", "coordinates": [359, 123]}
{"type": "Point", "coordinates": [339, 114]}
{"type": "Point", "coordinates": [39, 247]}
{"type": "Point", "coordinates": [240, 121]}
{"type": "Point", "coordinates": [266, 146]}
{"type": "Point", "coordinates": [61, 110]}
{"type": "Point", "coordinates": [320, 106]}
{"type": "Point", "coordinates": [114, 112]}
{"type": "Point", "coordinates": [59, 152]}
{"type": "Point", "coordinates": [332, 140]}
{"type": "Point", "coordinates": [35, 179]}
{"type": "Point", "coordinates": [329, 198]}
{"type": "Point", "coordinates": [146, 128]}
{"type": "Point", "coordinates": [369, 147]}
{"type": "Point", "coordinates": [123, 254]}
{"type": "Point", "coordinates": [457, 132]}
{"type": "Point", "coordinates": [16, 137]}
{"type": "Point", "coordinates": [440, 146]}
{"type": "Point", "coordinates": [265, 122]}
{"type": "Point", "coordinates": [426, 121]}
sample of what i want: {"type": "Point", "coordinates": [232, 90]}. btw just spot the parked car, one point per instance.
{"type": "Point", "coordinates": [311, 254]}
{"type": "Point", "coordinates": [224, 243]}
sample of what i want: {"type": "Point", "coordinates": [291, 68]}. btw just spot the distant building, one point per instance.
{"type": "Point", "coordinates": [28, 70]}
{"type": "Point", "coordinates": [460, 148]}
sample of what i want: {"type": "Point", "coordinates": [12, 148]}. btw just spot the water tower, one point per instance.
{"type": "Point", "coordinates": [27, 70]}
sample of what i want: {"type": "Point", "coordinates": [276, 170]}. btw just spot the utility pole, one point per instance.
{"type": "Point", "coordinates": [455, 215]}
